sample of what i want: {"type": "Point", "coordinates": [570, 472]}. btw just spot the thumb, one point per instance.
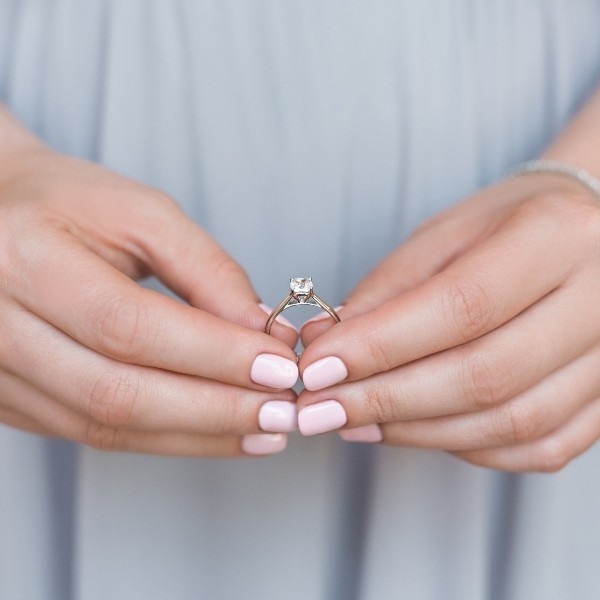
{"type": "Point", "coordinates": [438, 242]}
{"type": "Point", "coordinates": [433, 246]}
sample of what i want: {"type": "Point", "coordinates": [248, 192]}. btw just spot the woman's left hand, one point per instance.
{"type": "Point", "coordinates": [480, 335]}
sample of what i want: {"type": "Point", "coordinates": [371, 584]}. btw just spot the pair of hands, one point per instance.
{"type": "Point", "coordinates": [480, 335]}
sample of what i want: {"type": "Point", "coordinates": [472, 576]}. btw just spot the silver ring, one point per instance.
{"type": "Point", "coordinates": [301, 292]}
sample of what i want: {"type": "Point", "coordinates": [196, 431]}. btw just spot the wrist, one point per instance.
{"type": "Point", "coordinates": [521, 186]}
{"type": "Point", "coordinates": [559, 173]}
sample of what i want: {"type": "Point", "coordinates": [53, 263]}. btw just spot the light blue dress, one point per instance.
{"type": "Point", "coordinates": [354, 119]}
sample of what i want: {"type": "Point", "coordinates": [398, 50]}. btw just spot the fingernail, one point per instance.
{"type": "Point", "coordinates": [259, 444]}
{"type": "Point", "coordinates": [366, 434]}
{"type": "Point", "coordinates": [323, 315]}
{"type": "Point", "coordinates": [274, 371]}
{"type": "Point", "coordinates": [280, 318]}
{"type": "Point", "coordinates": [321, 417]}
{"type": "Point", "coordinates": [278, 415]}
{"type": "Point", "coordinates": [323, 373]}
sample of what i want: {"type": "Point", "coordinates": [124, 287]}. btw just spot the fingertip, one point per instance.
{"type": "Point", "coordinates": [321, 417]}
{"type": "Point", "coordinates": [278, 416]}
{"type": "Point", "coordinates": [281, 329]}
{"type": "Point", "coordinates": [309, 332]}
{"type": "Point", "coordinates": [264, 444]}
{"type": "Point", "coordinates": [274, 371]}
{"type": "Point", "coordinates": [324, 315]}
{"type": "Point", "coordinates": [318, 325]}
{"type": "Point", "coordinates": [253, 317]}
{"type": "Point", "coordinates": [280, 318]}
{"type": "Point", "coordinates": [367, 434]}
{"type": "Point", "coordinates": [324, 373]}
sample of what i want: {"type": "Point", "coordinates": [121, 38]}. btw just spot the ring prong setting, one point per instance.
{"type": "Point", "coordinates": [301, 288]}
{"type": "Point", "coordinates": [301, 292]}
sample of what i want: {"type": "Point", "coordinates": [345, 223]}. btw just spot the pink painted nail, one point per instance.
{"type": "Point", "coordinates": [366, 434]}
{"type": "Point", "coordinates": [278, 416]}
{"type": "Point", "coordinates": [280, 318]}
{"type": "Point", "coordinates": [264, 443]}
{"type": "Point", "coordinates": [324, 372]}
{"type": "Point", "coordinates": [274, 371]}
{"type": "Point", "coordinates": [321, 417]}
{"type": "Point", "coordinates": [323, 315]}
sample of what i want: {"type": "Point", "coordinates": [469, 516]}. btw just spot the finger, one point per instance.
{"type": "Point", "coordinates": [432, 247]}
{"type": "Point", "coordinates": [438, 242]}
{"type": "Point", "coordinates": [547, 454]}
{"type": "Point", "coordinates": [42, 415]}
{"type": "Point", "coordinates": [132, 397]}
{"type": "Point", "coordinates": [319, 324]}
{"type": "Point", "coordinates": [527, 417]}
{"type": "Point", "coordinates": [82, 295]}
{"type": "Point", "coordinates": [425, 253]}
{"type": "Point", "coordinates": [17, 420]}
{"type": "Point", "coordinates": [188, 260]}
{"type": "Point", "coordinates": [478, 375]}
{"type": "Point", "coordinates": [485, 288]}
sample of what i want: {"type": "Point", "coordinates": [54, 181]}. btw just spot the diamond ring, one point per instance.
{"type": "Point", "coordinates": [301, 292]}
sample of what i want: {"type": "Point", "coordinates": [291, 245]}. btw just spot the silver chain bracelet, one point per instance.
{"type": "Point", "coordinates": [555, 167]}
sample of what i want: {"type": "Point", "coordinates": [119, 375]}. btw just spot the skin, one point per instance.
{"type": "Point", "coordinates": [481, 334]}
{"type": "Point", "coordinates": [89, 355]}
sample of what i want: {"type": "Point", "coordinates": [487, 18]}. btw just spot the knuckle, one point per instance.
{"type": "Point", "coordinates": [101, 437]}
{"type": "Point", "coordinates": [570, 213]}
{"type": "Point", "coordinates": [379, 405]}
{"type": "Point", "coordinates": [228, 420]}
{"type": "Point", "coordinates": [566, 205]}
{"type": "Point", "coordinates": [229, 411]}
{"type": "Point", "coordinates": [113, 399]}
{"type": "Point", "coordinates": [471, 308]}
{"type": "Point", "coordinates": [521, 423]}
{"type": "Point", "coordinates": [377, 349]}
{"type": "Point", "coordinates": [156, 208]}
{"type": "Point", "coordinates": [584, 216]}
{"type": "Point", "coordinates": [7, 257]}
{"type": "Point", "coordinates": [16, 225]}
{"type": "Point", "coordinates": [162, 201]}
{"type": "Point", "coordinates": [120, 326]}
{"type": "Point", "coordinates": [153, 209]}
{"type": "Point", "coordinates": [552, 455]}
{"type": "Point", "coordinates": [224, 267]}
{"type": "Point", "coordinates": [487, 380]}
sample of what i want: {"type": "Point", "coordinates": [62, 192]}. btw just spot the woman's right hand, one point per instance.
{"type": "Point", "coordinates": [89, 355]}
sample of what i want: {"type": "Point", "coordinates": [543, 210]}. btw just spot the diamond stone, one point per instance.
{"type": "Point", "coordinates": [301, 286]}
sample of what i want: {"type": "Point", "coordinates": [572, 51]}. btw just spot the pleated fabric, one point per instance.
{"type": "Point", "coordinates": [309, 138]}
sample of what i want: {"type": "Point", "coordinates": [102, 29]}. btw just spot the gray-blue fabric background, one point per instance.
{"type": "Point", "coordinates": [309, 137]}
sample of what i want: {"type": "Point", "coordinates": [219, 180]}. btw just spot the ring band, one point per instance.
{"type": "Point", "coordinates": [301, 292]}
